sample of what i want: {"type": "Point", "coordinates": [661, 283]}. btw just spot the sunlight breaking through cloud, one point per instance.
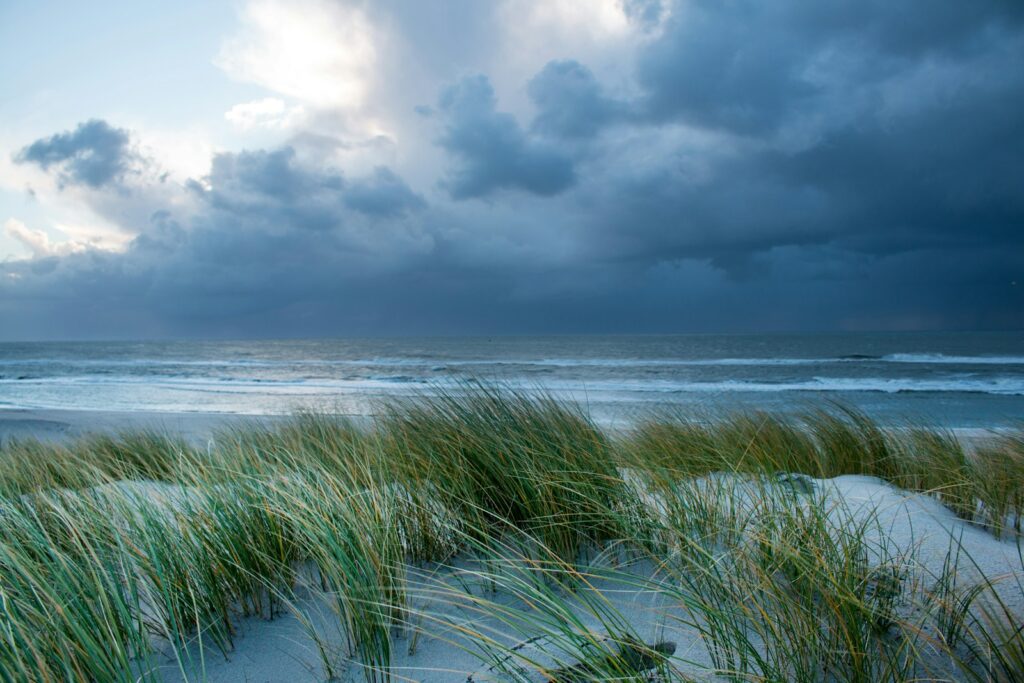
{"type": "Point", "coordinates": [318, 52]}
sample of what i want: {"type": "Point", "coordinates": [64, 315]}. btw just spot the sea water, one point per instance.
{"type": "Point", "coordinates": [954, 380]}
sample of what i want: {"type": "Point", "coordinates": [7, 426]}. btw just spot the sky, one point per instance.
{"type": "Point", "coordinates": [297, 168]}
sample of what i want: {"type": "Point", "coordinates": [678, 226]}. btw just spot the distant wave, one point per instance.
{"type": "Point", "coordinates": [1007, 386]}
{"type": "Point", "coordinates": [144, 362]}
{"type": "Point", "coordinates": [438, 364]}
{"type": "Point", "coordinates": [999, 386]}
{"type": "Point", "coordinates": [958, 360]}
{"type": "Point", "coordinates": [1004, 386]}
{"type": "Point", "coordinates": [226, 385]}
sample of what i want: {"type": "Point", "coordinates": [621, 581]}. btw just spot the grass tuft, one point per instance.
{"type": "Point", "coordinates": [118, 551]}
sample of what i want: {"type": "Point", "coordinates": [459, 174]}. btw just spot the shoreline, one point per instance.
{"type": "Point", "coordinates": [46, 424]}
{"type": "Point", "coordinates": [64, 425]}
{"type": "Point", "coordinates": [495, 537]}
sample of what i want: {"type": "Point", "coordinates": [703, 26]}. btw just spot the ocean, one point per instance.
{"type": "Point", "coordinates": [953, 380]}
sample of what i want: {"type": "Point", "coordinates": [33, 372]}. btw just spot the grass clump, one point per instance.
{"type": "Point", "coordinates": [118, 550]}
{"type": "Point", "coordinates": [798, 589]}
{"type": "Point", "coordinates": [983, 484]}
{"type": "Point", "coordinates": [352, 542]}
{"type": "Point", "coordinates": [69, 607]}
{"type": "Point", "coordinates": [507, 459]}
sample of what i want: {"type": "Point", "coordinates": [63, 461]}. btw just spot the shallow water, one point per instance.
{"type": "Point", "coordinates": [956, 380]}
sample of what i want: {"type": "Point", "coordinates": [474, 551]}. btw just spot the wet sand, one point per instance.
{"type": "Point", "coordinates": [61, 425]}
{"type": "Point", "coordinates": [198, 427]}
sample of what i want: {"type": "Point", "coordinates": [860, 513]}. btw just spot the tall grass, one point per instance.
{"type": "Point", "coordinates": [69, 607]}
{"type": "Point", "coordinates": [984, 484]}
{"type": "Point", "coordinates": [800, 590]}
{"type": "Point", "coordinates": [29, 465]}
{"type": "Point", "coordinates": [116, 551]}
{"type": "Point", "coordinates": [542, 615]}
{"type": "Point", "coordinates": [502, 458]}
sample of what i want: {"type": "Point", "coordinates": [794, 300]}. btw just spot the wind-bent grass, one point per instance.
{"type": "Point", "coordinates": [69, 609]}
{"type": "Point", "coordinates": [29, 465]}
{"type": "Point", "coordinates": [551, 618]}
{"type": "Point", "coordinates": [985, 485]}
{"type": "Point", "coordinates": [799, 589]}
{"type": "Point", "coordinates": [117, 551]}
{"type": "Point", "coordinates": [997, 471]}
{"type": "Point", "coordinates": [353, 542]}
{"type": "Point", "coordinates": [501, 458]}
{"type": "Point", "coordinates": [977, 627]}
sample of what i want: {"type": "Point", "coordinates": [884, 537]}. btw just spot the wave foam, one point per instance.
{"type": "Point", "coordinates": [442, 363]}
{"type": "Point", "coordinates": [1006, 386]}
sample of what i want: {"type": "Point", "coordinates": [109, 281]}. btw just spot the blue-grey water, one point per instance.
{"type": "Point", "coordinates": [956, 380]}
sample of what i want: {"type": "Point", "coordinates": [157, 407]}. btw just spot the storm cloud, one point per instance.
{"type": "Point", "coordinates": [94, 154]}
{"type": "Point", "coordinates": [751, 67]}
{"type": "Point", "coordinates": [491, 150]}
{"type": "Point", "coordinates": [571, 102]}
{"type": "Point", "coordinates": [383, 194]}
{"type": "Point", "coordinates": [751, 166]}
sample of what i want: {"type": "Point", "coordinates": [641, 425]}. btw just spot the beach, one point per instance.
{"type": "Point", "coordinates": [523, 341]}
{"type": "Point", "coordinates": [66, 425]}
{"type": "Point", "coordinates": [493, 535]}
{"type": "Point", "coordinates": [518, 510]}
{"type": "Point", "coordinates": [197, 428]}
{"type": "Point", "coordinates": [531, 510]}
{"type": "Point", "coordinates": [459, 598]}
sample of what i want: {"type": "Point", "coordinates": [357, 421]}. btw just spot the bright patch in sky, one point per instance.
{"type": "Point", "coordinates": [269, 112]}
{"type": "Point", "coordinates": [321, 53]}
{"type": "Point", "coordinates": [362, 167]}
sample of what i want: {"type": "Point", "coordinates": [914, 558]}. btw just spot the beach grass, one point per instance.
{"type": "Point", "coordinates": [121, 553]}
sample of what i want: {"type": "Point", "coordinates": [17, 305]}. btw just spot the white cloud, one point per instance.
{"type": "Point", "coordinates": [79, 239]}
{"type": "Point", "coordinates": [37, 241]}
{"type": "Point", "coordinates": [597, 33]}
{"type": "Point", "coordinates": [105, 238]}
{"type": "Point", "coordinates": [316, 52]}
{"type": "Point", "coordinates": [594, 19]}
{"type": "Point", "coordinates": [183, 153]}
{"type": "Point", "coordinates": [269, 112]}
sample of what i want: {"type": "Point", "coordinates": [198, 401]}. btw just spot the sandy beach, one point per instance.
{"type": "Point", "coordinates": [448, 601]}
{"type": "Point", "coordinates": [304, 550]}
{"type": "Point", "coordinates": [521, 341]}
{"type": "Point", "coordinates": [65, 425]}
{"type": "Point", "coordinates": [198, 427]}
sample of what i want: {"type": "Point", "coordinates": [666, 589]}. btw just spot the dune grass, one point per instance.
{"type": "Point", "coordinates": [800, 592]}
{"type": "Point", "coordinates": [120, 552]}
{"type": "Point", "coordinates": [984, 485]}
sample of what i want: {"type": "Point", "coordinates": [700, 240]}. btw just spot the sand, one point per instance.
{"type": "Point", "coordinates": [282, 649]}
{"type": "Point", "coordinates": [63, 425]}
{"type": "Point", "coordinates": [443, 601]}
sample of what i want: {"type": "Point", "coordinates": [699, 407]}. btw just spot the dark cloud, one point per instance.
{"type": "Point", "coordinates": [749, 67]}
{"type": "Point", "coordinates": [273, 239]}
{"type": "Point", "coordinates": [492, 151]}
{"type": "Point", "coordinates": [275, 174]}
{"type": "Point", "coordinates": [909, 30]}
{"type": "Point", "coordinates": [570, 101]}
{"type": "Point", "coordinates": [773, 166]}
{"type": "Point", "coordinates": [383, 194]}
{"type": "Point", "coordinates": [646, 13]}
{"type": "Point", "coordinates": [851, 140]}
{"type": "Point", "coordinates": [946, 175]}
{"type": "Point", "coordinates": [95, 154]}
{"type": "Point", "coordinates": [277, 189]}
{"type": "Point", "coordinates": [731, 65]}
{"type": "Point", "coordinates": [272, 188]}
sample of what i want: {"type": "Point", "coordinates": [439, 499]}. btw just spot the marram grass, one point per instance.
{"type": "Point", "coordinates": [121, 552]}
